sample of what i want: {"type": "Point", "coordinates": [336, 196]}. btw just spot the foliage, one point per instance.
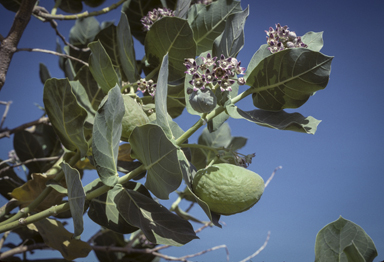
{"type": "Point", "coordinates": [115, 114]}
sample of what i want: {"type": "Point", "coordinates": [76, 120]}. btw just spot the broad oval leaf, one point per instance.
{"type": "Point", "coordinates": [126, 50]}
{"type": "Point", "coordinates": [159, 225]}
{"type": "Point", "coordinates": [170, 35]}
{"type": "Point", "coordinates": [76, 197]}
{"type": "Point", "coordinates": [9, 180]}
{"type": "Point", "coordinates": [28, 147]}
{"type": "Point", "coordinates": [288, 78]}
{"type": "Point", "coordinates": [161, 98]}
{"type": "Point", "coordinates": [66, 115]}
{"type": "Point", "coordinates": [333, 242]}
{"type": "Point", "coordinates": [313, 40]}
{"type": "Point", "coordinates": [44, 73]}
{"type": "Point", "coordinates": [278, 120]}
{"type": "Point", "coordinates": [58, 238]}
{"type": "Point", "coordinates": [101, 67]}
{"type": "Point", "coordinates": [208, 22]}
{"type": "Point", "coordinates": [106, 136]}
{"type": "Point", "coordinates": [103, 210]}
{"type": "Point", "coordinates": [159, 157]}
{"type": "Point", "coordinates": [257, 57]}
{"type": "Point", "coordinates": [231, 41]}
{"type": "Point", "coordinates": [84, 30]}
{"type": "Point", "coordinates": [135, 10]}
{"type": "Point", "coordinates": [94, 92]}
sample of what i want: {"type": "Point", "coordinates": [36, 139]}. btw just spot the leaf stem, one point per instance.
{"type": "Point", "coordinates": [200, 146]}
{"type": "Point", "coordinates": [71, 159]}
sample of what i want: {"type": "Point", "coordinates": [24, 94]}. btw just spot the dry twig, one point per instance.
{"type": "Point", "coordinates": [29, 161]}
{"type": "Point", "coordinates": [259, 250]}
{"type": "Point", "coordinates": [273, 174]}
{"type": "Point", "coordinates": [7, 133]}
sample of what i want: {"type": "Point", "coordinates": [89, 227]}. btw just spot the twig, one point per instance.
{"type": "Point", "coordinates": [22, 249]}
{"type": "Point", "coordinates": [3, 238]}
{"type": "Point", "coordinates": [7, 133]}
{"type": "Point", "coordinates": [273, 174]}
{"type": "Point", "coordinates": [105, 10]}
{"type": "Point", "coordinates": [9, 44]}
{"type": "Point", "coordinates": [29, 161]}
{"type": "Point", "coordinates": [53, 53]}
{"type": "Point", "coordinates": [54, 25]}
{"type": "Point", "coordinates": [7, 105]}
{"type": "Point", "coordinates": [259, 250]}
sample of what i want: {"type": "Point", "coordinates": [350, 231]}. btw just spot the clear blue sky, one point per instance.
{"type": "Point", "coordinates": [337, 171]}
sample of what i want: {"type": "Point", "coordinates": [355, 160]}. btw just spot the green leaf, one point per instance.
{"type": "Point", "coordinates": [65, 114]}
{"type": "Point", "coordinates": [161, 98]}
{"type": "Point", "coordinates": [353, 254]}
{"type": "Point", "coordinates": [71, 6]}
{"type": "Point", "coordinates": [257, 57]}
{"type": "Point", "coordinates": [208, 22]}
{"type": "Point", "coordinates": [94, 92]}
{"type": "Point", "coordinates": [76, 197]}
{"type": "Point", "coordinates": [288, 78]}
{"type": "Point", "coordinates": [84, 30]}
{"type": "Point", "coordinates": [28, 147]}
{"type": "Point", "coordinates": [157, 223]}
{"type": "Point", "coordinates": [103, 211]}
{"type": "Point", "coordinates": [135, 10]}
{"type": "Point", "coordinates": [82, 98]}
{"type": "Point", "coordinates": [11, 5]}
{"type": "Point", "coordinates": [341, 240]}
{"type": "Point", "coordinates": [93, 3]}
{"type": "Point", "coordinates": [313, 40]}
{"type": "Point", "coordinates": [159, 156]}
{"type": "Point", "coordinates": [278, 120]}
{"type": "Point", "coordinates": [220, 138]}
{"type": "Point", "coordinates": [101, 67]}
{"type": "Point", "coordinates": [231, 41]}
{"type": "Point", "coordinates": [170, 35]}
{"type": "Point", "coordinates": [182, 7]}
{"type": "Point", "coordinates": [58, 238]}
{"type": "Point", "coordinates": [69, 70]}
{"type": "Point", "coordinates": [106, 136]}
{"type": "Point", "coordinates": [44, 73]}
{"type": "Point", "coordinates": [126, 50]}
{"type": "Point", "coordinates": [9, 180]}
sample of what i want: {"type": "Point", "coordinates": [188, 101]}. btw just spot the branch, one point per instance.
{"type": "Point", "coordinates": [7, 105]}
{"type": "Point", "coordinates": [22, 249]}
{"type": "Point", "coordinates": [273, 174]}
{"type": "Point", "coordinates": [38, 12]}
{"type": "Point", "coordinates": [259, 250]}
{"type": "Point", "coordinates": [53, 53]}
{"type": "Point", "coordinates": [7, 133]}
{"type": "Point", "coordinates": [9, 44]}
{"type": "Point", "coordinates": [29, 161]}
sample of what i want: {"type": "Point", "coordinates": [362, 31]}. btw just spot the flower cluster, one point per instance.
{"type": "Point", "coordinates": [146, 86]}
{"type": "Point", "coordinates": [154, 16]}
{"type": "Point", "coordinates": [213, 71]}
{"type": "Point", "coordinates": [281, 38]}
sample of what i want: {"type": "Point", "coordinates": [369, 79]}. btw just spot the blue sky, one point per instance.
{"type": "Point", "coordinates": [337, 171]}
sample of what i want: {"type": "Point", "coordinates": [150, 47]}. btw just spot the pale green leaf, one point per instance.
{"type": "Point", "coordinates": [126, 50]}
{"type": "Point", "coordinates": [106, 136]}
{"type": "Point", "coordinates": [353, 254]}
{"type": "Point", "coordinates": [257, 57]}
{"type": "Point", "coordinates": [208, 22]}
{"type": "Point", "coordinates": [231, 41]}
{"type": "Point", "coordinates": [313, 40]}
{"type": "Point", "coordinates": [159, 156]}
{"type": "Point", "coordinates": [159, 225]}
{"type": "Point", "coordinates": [170, 35]}
{"type": "Point", "coordinates": [65, 113]}
{"type": "Point", "coordinates": [84, 30]}
{"type": "Point", "coordinates": [76, 197]}
{"type": "Point", "coordinates": [288, 78]}
{"type": "Point", "coordinates": [333, 242]}
{"type": "Point", "coordinates": [161, 98]}
{"type": "Point", "coordinates": [101, 67]}
{"type": "Point", "coordinates": [278, 120]}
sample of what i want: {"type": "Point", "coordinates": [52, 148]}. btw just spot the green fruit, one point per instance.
{"type": "Point", "coordinates": [228, 189]}
{"type": "Point", "coordinates": [134, 116]}
{"type": "Point", "coordinates": [203, 101]}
